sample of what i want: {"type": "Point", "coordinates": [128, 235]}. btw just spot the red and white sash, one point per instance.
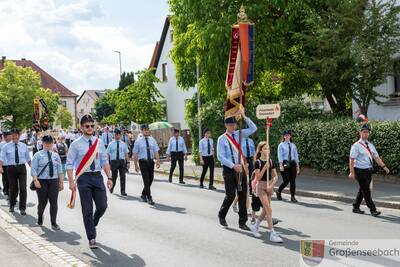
{"type": "Point", "coordinates": [87, 160]}
{"type": "Point", "coordinates": [238, 150]}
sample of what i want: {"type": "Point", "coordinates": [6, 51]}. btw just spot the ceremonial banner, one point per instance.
{"type": "Point", "coordinates": [240, 71]}
{"type": "Point", "coordinates": [87, 160]}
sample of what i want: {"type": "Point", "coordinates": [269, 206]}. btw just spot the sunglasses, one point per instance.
{"type": "Point", "coordinates": [87, 126]}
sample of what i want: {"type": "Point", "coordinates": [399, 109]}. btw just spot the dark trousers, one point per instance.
{"type": "Point", "coordinates": [289, 176]}
{"type": "Point", "coordinates": [147, 170]}
{"type": "Point", "coordinates": [17, 181]}
{"type": "Point", "coordinates": [231, 184]}
{"type": "Point", "coordinates": [176, 157]}
{"type": "Point", "coordinates": [5, 181]}
{"type": "Point", "coordinates": [48, 193]}
{"type": "Point", "coordinates": [250, 163]}
{"type": "Point", "coordinates": [118, 166]}
{"type": "Point", "coordinates": [364, 177]}
{"type": "Point", "coordinates": [91, 188]}
{"type": "Point", "coordinates": [208, 164]}
{"type": "Point", "coordinates": [68, 142]}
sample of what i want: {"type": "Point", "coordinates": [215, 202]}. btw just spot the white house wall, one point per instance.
{"type": "Point", "coordinates": [173, 95]}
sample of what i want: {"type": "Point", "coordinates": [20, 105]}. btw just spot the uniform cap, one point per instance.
{"type": "Point", "coordinates": [117, 131]}
{"type": "Point", "coordinates": [47, 139]}
{"type": "Point", "coordinates": [176, 130]}
{"type": "Point", "coordinates": [144, 126]}
{"type": "Point", "coordinates": [206, 130]}
{"type": "Point", "coordinates": [14, 130]}
{"type": "Point", "coordinates": [230, 120]}
{"type": "Point", "coordinates": [365, 127]}
{"type": "Point", "coordinates": [286, 132]}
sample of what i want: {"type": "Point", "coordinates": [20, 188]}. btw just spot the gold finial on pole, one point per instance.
{"type": "Point", "coordinates": [242, 16]}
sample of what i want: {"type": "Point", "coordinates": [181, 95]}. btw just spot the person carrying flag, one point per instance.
{"type": "Point", "coordinates": [228, 154]}
{"type": "Point", "coordinates": [87, 156]}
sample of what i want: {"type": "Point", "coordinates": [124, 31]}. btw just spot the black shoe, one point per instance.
{"type": "Point", "coordinates": [111, 190]}
{"type": "Point", "coordinates": [278, 195]}
{"type": "Point", "coordinates": [275, 221]}
{"type": "Point", "coordinates": [55, 227]}
{"type": "Point", "coordinates": [93, 244]}
{"type": "Point", "coordinates": [358, 211]}
{"type": "Point", "coordinates": [222, 222]}
{"type": "Point", "coordinates": [23, 213]}
{"type": "Point", "coordinates": [293, 199]}
{"type": "Point", "coordinates": [170, 179]}
{"type": "Point", "coordinates": [211, 187]}
{"type": "Point", "coordinates": [123, 194]}
{"type": "Point", "coordinates": [182, 182]}
{"type": "Point", "coordinates": [144, 198]}
{"type": "Point", "coordinates": [11, 209]}
{"type": "Point", "coordinates": [201, 186]}
{"type": "Point", "coordinates": [40, 220]}
{"type": "Point", "coordinates": [375, 213]}
{"type": "Point", "coordinates": [151, 202]}
{"type": "Point", "coordinates": [5, 193]}
{"type": "Point", "coordinates": [244, 227]}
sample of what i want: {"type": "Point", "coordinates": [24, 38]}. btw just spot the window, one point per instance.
{"type": "Point", "coordinates": [64, 103]}
{"type": "Point", "coordinates": [164, 72]}
{"type": "Point", "coordinates": [397, 77]}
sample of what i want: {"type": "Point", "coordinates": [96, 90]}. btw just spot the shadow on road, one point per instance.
{"type": "Point", "coordinates": [163, 207]}
{"type": "Point", "coordinates": [319, 206]}
{"type": "Point", "coordinates": [106, 256]}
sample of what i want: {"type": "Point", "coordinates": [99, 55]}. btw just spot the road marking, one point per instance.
{"type": "Point", "coordinates": [49, 253]}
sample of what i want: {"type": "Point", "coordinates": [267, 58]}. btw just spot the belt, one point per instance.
{"type": "Point", "coordinates": [176, 151]}
{"type": "Point", "coordinates": [209, 156]}
{"type": "Point", "coordinates": [146, 160]}
{"type": "Point", "coordinates": [228, 169]}
{"type": "Point", "coordinates": [92, 173]}
{"type": "Point", "coordinates": [16, 165]}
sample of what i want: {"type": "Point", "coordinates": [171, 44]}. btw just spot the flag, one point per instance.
{"type": "Point", "coordinates": [240, 71]}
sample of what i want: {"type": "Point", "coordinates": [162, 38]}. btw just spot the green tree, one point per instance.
{"type": "Point", "coordinates": [104, 106]}
{"type": "Point", "coordinates": [126, 79]}
{"type": "Point", "coordinates": [139, 102]}
{"type": "Point", "coordinates": [64, 118]}
{"type": "Point", "coordinates": [18, 88]}
{"type": "Point", "coordinates": [373, 51]}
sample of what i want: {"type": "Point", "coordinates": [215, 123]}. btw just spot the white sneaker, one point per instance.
{"type": "Point", "coordinates": [235, 208]}
{"type": "Point", "coordinates": [275, 238]}
{"type": "Point", "coordinates": [249, 212]}
{"type": "Point", "coordinates": [254, 230]}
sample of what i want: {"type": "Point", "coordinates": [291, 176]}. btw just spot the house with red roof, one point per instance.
{"type": "Point", "coordinates": [68, 98]}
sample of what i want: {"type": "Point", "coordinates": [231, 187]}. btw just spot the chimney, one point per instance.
{"type": "Point", "coordinates": [3, 58]}
{"type": "Point", "coordinates": [23, 58]}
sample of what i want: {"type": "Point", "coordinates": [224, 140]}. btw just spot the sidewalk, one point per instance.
{"type": "Point", "coordinates": [335, 188]}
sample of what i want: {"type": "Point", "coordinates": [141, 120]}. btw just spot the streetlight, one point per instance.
{"type": "Point", "coordinates": [120, 65]}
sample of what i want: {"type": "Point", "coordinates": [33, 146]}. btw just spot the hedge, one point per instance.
{"type": "Point", "coordinates": [323, 139]}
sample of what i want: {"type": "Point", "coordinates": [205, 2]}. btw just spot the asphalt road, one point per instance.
{"type": "Point", "coordinates": [182, 228]}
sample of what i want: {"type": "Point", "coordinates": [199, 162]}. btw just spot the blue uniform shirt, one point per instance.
{"type": "Point", "coordinates": [172, 145]}
{"type": "Point", "coordinates": [283, 152]}
{"type": "Point", "coordinates": [78, 150]}
{"type": "Point", "coordinates": [203, 147]}
{"type": "Point", "coordinates": [223, 150]}
{"type": "Point", "coordinates": [7, 155]}
{"type": "Point", "coordinates": [141, 150]}
{"type": "Point", "coordinates": [40, 159]}
{"type": "Point", "coordinates": [360, 155]}
{"type": "Point", "coordinates": [125, 138]}
{"type": "Point", "coordinates": [112, 150]}
{"type": "Point", "coordinates": [252, 148]}
{"type": "Point", "coordinates": [104, 138]}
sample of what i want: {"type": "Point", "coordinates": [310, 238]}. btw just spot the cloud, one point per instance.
{"type": "Point", "coordinates": [68, 41]}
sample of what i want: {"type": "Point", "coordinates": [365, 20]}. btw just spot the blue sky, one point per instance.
{"type": "Point", "coordinates": [74, 40]}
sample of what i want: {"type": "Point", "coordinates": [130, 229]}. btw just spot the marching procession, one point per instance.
{"type": "Point", "coordinates": [249, 173]}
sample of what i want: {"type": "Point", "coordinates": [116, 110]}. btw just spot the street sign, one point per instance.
{"type": "Point", "coordinates": [272, 111]}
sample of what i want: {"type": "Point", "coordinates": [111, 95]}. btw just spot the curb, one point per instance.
{"type": "Point", "coordinates": [45, 250]}
{"type": "Point", "coordinates": [303, 193]}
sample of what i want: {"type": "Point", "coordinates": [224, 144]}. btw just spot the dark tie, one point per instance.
{"type": "Point", "coordinates": [247, 148]}
{"type": "Point", "coordinates": [208, 147]}
{"type": "Point", "coordinates": [92, 166]}
{"type": "Point", "coordinates": [148, 148]}
{"type": "Point", "coordinates": [51, 170]}
{"type": "Point", "coordinates": [177, 145]}
{"type": "Point", "coordinates": [230, 146]}
{"type": "Point", "coordinates": [108, 140]}
{"type": "Point", "coordinates": [290, 153]}
{"type": "Point", "coordinates": [117, 150]}
{"type": "Point", "coordinates": [16, 154]}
